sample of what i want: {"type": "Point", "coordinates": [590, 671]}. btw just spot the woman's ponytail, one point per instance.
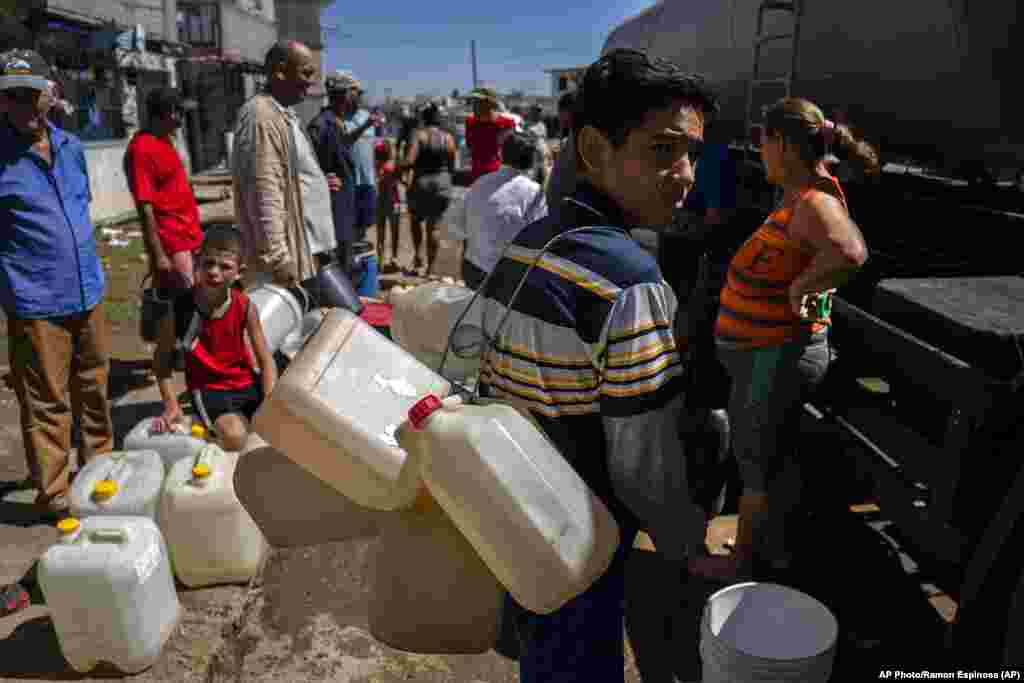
{"type": "Point", "coordinates": [856, 150]}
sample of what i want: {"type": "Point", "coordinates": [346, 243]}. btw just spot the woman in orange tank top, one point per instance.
{"type": "Point", "coordinates": [771, 332]}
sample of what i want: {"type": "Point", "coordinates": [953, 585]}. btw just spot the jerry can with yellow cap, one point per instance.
{"type": "Point", "coordinates": [212, 539]}
{"type": "Point", "coordinates": [118, 483]}
{"type": "Point", "coordinates": [108, 585]}
{"type": "Point", "coordinates": [185, 440]}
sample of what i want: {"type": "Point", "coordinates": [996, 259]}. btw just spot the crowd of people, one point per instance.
{"type": "Point", "coordinates": [591, 343]}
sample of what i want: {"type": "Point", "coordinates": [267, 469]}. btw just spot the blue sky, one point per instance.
{"type": "Point", "coordinates": [406, 47]}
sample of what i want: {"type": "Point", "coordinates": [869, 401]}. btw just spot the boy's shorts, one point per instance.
{"type": "Point", "coordinates": [217, 402]}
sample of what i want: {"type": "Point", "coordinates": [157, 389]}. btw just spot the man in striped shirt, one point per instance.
{"type": "Point", "coordinates": [589, 345]}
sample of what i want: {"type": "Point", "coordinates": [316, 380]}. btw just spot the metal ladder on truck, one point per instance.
{"type": "Point", "coordinates": [794, 8]}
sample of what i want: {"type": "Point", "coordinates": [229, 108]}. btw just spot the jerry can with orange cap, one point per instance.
{"type": "Point", "coordinates": [118, 483]}
{"type": "Point", "coordinates": [535, 524]}
{"type": "Point", "coordinates": [184, 440]}
{"type": "Point", "coordinates": [431, 592]}
{"type": "Point", "coordinates": [108, 585]}
{"type": "Point", "coordinates": [212, 539]}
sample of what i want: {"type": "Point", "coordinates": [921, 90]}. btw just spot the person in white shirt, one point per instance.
{"type": "Point", "coordinates": [496, 207]}
{"type": "Point", "coordinates": [542, 158]}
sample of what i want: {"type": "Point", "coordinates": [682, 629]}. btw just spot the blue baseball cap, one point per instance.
{"type": "Point", "coordinates": [23, 69]}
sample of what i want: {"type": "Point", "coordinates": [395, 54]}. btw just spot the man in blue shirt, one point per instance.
{"type": "Point", "coordinates": [356, 124]}
{"type": "Point", "coordinates": [51, 281]}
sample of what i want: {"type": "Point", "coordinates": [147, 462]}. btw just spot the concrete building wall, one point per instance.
{"type": "Point", "coordinates": [263, 8]}
{"type": "Point", "coordinates": [110, 195]}
{"type": "Point", "coordinates": [150, 13]}
{"type": "Point", "coordinates": [251, 33]}
{"type": "Point", "coordinates": [111, 198]}
{"type": "Point", "coordinates": [300, 20]}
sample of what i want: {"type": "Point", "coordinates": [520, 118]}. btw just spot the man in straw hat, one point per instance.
{"type": "Point", "coordinates": [336, 152]}
{"type": "Point", "coordinates": [356, 124]}
{"type": "Point", "coordinates": [51, 282]}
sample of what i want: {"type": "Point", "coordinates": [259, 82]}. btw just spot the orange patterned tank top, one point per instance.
{"type": "Point", "coordinates": [755, 310]}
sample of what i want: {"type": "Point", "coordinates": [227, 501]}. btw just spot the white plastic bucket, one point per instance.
{"type": "Point", "coordinates": [280, 313]}
{"type": "Point", "coordinates": [761, 632]}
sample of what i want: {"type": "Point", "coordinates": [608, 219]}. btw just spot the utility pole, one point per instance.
{"type": "Point", "coordinates": [472, 52]}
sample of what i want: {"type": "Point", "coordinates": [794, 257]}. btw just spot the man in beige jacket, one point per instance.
{"type": "Point", "coordinates": [282, 198]}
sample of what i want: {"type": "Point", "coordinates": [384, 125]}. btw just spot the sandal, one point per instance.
{"type": "Point", "coordinates": [13, 598]}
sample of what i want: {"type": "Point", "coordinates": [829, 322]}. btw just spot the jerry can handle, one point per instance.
{"type": "Point", "coordinates": [118, 536]}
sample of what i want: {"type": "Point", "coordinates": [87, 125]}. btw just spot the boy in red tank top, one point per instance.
{"type": "Point", "coordinates": [211, 322]}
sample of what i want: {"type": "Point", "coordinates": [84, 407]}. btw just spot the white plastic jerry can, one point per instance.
{"type": "Point", "coordinates": [108, 585]}
{"type": "Point", "coordinates": [422, 321]}
{"type": "Point", "coordinates": [533, 521]}
{"type": "Point", "coordinates": [184, 441]}
{"type": "Point", "coordinates": [118, 483]}
{"type": "Point", "coordinates": [432, 594]}
{"type": "Point", "coordinates": [210, 536]}
{"type": "Point", "coordinates": [336, 408]}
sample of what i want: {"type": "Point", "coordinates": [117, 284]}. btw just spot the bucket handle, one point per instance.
{"type": "Point", "coordinates": [148, 277]}
{"type": "Point", "coordinates": [305, 298]}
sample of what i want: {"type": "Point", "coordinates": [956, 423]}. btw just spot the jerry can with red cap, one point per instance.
{"type": "Point", "coordinates": [532, 520]}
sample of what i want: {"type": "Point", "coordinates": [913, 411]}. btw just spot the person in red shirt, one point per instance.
{"type": "Point", "coordinates": [485, 132]}
{"type": "Point", "coordinates": [210, 323]}
{"type": "Point", "coordinates": [165, 201]}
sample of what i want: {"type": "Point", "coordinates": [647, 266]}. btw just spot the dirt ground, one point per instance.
{"type": "Point", "coordinates": [305, 618]}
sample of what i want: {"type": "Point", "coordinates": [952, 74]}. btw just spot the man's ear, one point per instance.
{"type": "Point", "coordinates": [592, 149]}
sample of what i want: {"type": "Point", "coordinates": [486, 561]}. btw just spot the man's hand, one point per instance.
{"type": "Point", "coordinates": [334, 183]}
